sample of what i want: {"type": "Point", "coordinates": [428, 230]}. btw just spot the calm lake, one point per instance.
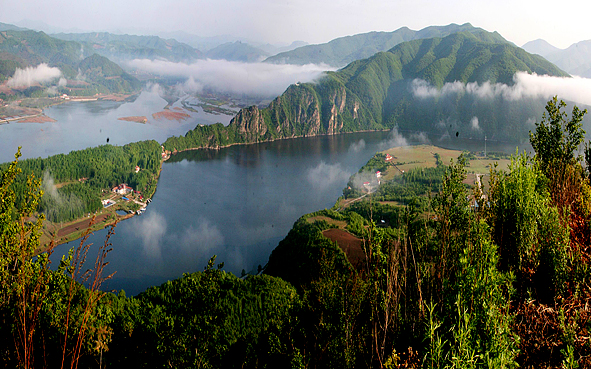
{"type": "Point", "coordinates": [236, 203]}
{"type": "Point", "coordinates": [90, 123]}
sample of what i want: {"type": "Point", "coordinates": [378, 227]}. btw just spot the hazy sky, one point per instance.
{"type": "Point", "coordinates": [282, 21]}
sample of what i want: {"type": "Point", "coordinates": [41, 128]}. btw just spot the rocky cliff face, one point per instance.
{"type": "Point", "coordinates": [301, 111]}
{"type": "Point", "coordinates": [250, 123]}
{"type": "Point", "coordinates": [337, 101]}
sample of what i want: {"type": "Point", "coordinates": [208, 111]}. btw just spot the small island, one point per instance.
{"type": "Point", "coordinates": [136, 119]}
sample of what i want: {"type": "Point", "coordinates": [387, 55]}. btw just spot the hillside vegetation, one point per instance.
{"type": "Point", "coordinates": [85, 72]}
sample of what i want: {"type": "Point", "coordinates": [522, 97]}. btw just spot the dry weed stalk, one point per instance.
{"type": "Point", "coordinates": [96, 278]}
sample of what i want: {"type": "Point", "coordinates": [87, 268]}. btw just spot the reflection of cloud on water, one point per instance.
{"type": "Point", "coordinates": [356, 147]}
{"type": "Point", "coordinates": [151, 228]}
{"type": "Point", "coordinates": [204, 238]}
{"type": "Point", "coordinates": [325, 176]}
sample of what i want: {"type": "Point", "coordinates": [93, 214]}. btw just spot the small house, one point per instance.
{"type": "Point", "coordinates": [122, 189]}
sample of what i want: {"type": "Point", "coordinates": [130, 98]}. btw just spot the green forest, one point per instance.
{"type": "Point", "coordinates": [87, 174]}
{"type": "Point", "coordinates": [443, 284]}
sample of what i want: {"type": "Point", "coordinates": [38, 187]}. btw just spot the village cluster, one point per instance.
{"type": "Point", "coordinates": [127, 193]}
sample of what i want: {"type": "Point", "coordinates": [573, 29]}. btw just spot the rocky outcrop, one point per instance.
{"type": "Point", "coordinates": [337, 103]}
{"type": "Point", "coordinates": [250, 123]}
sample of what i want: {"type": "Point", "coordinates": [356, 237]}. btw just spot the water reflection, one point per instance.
{"type": "Point", "coordinates": [237, 203]}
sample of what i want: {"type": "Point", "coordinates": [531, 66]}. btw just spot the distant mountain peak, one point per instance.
{"type": "Point", "coordinates": [342, 51]}
{"type": "Point", "coordinates": [540, 47]}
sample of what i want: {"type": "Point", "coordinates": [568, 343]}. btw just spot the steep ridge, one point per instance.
{"type": "Point", "coordinates": [342, 51]}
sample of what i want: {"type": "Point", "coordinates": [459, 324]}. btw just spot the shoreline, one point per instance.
{"type": "Point", "coordinates": [109, 220]}
{"type": "Point", "coordinates": [106, 221]}
{"type": "Point", "coordinates": [170, 153]}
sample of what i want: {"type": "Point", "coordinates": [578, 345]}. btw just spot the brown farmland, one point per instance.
{"type": "Point", "coordinates": [351, 245]}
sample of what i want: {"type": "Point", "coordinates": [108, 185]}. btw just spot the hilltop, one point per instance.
{"type": "Point", "coordinates": [576, 59]}
{"type": "Point", "coordinates": [124, 47]}
{"type": "Point", "coordinates": [343, 50]}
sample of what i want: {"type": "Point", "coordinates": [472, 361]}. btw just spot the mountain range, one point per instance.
{"type": "Point", "coordinates": [576, 59]}
{"type": "Point", "coordinates": [237, 51]}
{"type": "Point", "coordinates": [380, 92]}
{"type": "Point", "coordinates": [342, 51]}
{"type": "Point", "coordinates": [126, 47]}
{"type": "Point", "coordinates": [85, 72]}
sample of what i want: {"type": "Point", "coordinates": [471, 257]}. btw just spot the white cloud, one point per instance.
{"type": "Point", "coordinates": [52, 90]}
{"type": "Point", "coordinates": [325, 176]}
{"type": "Point", "coordinates": [261, 79]}
{"type": "Point", "coordinates": [32, 75]}
{"type": "Point", "coordinates": [576, 89]}
{"type": "Point", "coordinates": [151, 229]}
{"type": "Point", "coordinates": [357, 146]}
{"type": "Point", "coordinates": [474, 124]}
{"type": "Point", "coordinates": [420, 137]}
{"type": "Point", "coordinates": [395, 139]}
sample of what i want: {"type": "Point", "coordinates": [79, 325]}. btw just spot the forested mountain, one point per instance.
{"type": "Point", "coordinates": [342, 51]}
{"type": "Point", "coordinates": [85, 173]}
{"type": "Point", "coordinates": [237, 51]}
{"type": "Point", "coordinates": [576, 59]}
{"type": "Point", "coordinates": [10, 27]}
{"type": "Point", "coordinates": [32, 48]}
{"type": "Point", "coordinates": [105, 73]}
{"type": "Point", "coordinates": [398, 88]}
{"type": "Point", "coordinates": [124, 47]}
{"type": "Point", "coordinates": [85, 73]}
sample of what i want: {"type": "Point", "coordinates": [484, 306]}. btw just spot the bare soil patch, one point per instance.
{"type": "Point", "coordinates": [81, 225]}
{"type": "Point", "coordinates": [338, 223]}
{"type": "Point", "coordinates": [38, 119]}
{"type": "Point", "coordinates": [114, 97]}
{"type": "Point", "coordinates": [171, 115]}
{"type": "Point", "coordinates": [137, 119]}
{"type": "Point", "coordinates": [351, 245]}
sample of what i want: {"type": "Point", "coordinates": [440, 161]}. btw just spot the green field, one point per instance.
{"type": "Point", "coordinates": [406, 158]}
